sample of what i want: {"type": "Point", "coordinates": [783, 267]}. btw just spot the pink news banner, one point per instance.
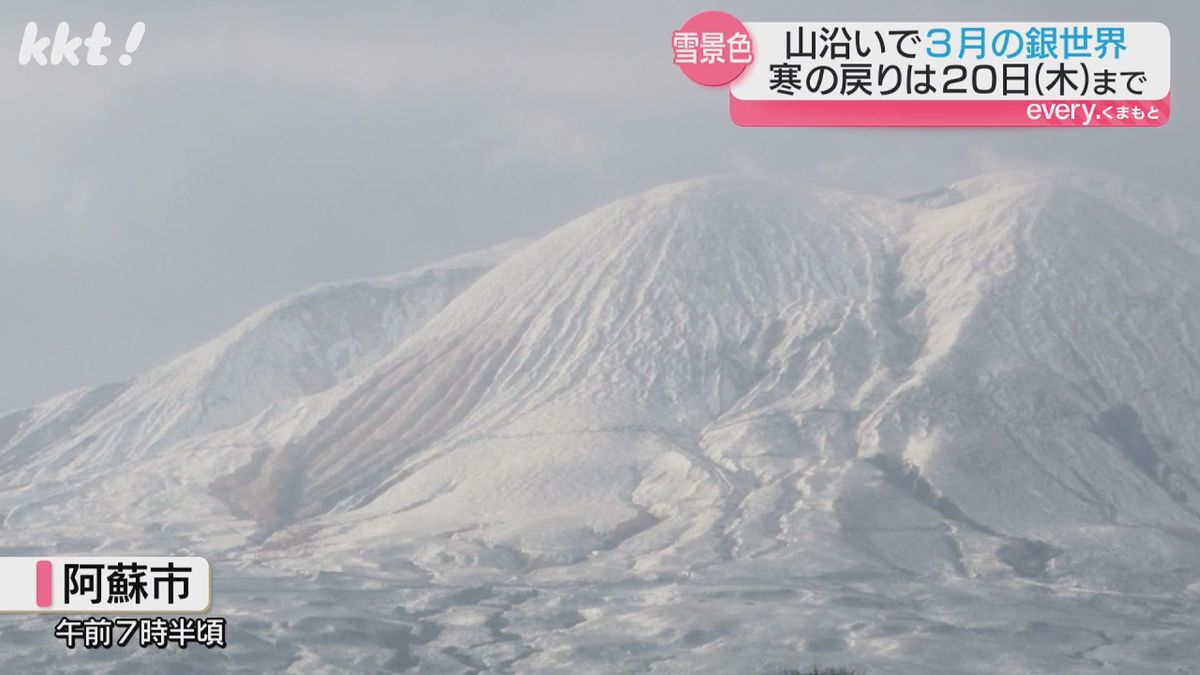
{"type": "Point", "coordinates": [931, 73]}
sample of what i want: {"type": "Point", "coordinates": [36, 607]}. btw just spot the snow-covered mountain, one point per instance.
{"type": "Point", "coordinates": [722, 425]}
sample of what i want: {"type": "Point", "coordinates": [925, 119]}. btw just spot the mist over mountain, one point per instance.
{"type": "Point", "coordinates": [723, 425]}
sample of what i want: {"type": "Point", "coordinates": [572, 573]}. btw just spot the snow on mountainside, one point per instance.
{"type": "Point", "coordinates": [649, 316]}
{"type": "Point", "coordinates": [736, 417]}
{"type": "Point", "coordinates": [301, 345]}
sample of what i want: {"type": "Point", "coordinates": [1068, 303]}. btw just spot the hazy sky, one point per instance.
{"type": "Point", "coordinates": [250, 151]}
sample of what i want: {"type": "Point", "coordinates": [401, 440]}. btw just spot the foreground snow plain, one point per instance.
{"type": "Point", "coordinates": [727, 425]}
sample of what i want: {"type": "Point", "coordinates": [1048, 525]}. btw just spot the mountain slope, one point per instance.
{"type": "Point", "coordinates": [654, 315]}
{"type": "Point", "coordinates": [301, 345]}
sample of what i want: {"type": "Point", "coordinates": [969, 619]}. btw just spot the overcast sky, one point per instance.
{"type": "Point", "coordinates": [249, 152]}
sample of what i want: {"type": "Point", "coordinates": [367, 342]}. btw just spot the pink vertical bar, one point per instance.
{"type": "Point", "coordinates": [45, 585]}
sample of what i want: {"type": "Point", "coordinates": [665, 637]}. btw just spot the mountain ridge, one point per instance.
{"type": "Point", "coordinates": [302, 344]}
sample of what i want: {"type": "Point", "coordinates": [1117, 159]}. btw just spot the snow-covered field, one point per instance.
{"type": "Point", "coordinates": [724, 426]}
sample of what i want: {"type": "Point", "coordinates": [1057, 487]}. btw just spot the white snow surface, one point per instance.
{"type": "Point", "coordinates": [727, 425]}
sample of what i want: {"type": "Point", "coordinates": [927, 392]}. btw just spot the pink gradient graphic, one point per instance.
{"type": "Point", "coordinates": [989, 113]}
{"type": "Point", "coordinates": [45, 585]}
